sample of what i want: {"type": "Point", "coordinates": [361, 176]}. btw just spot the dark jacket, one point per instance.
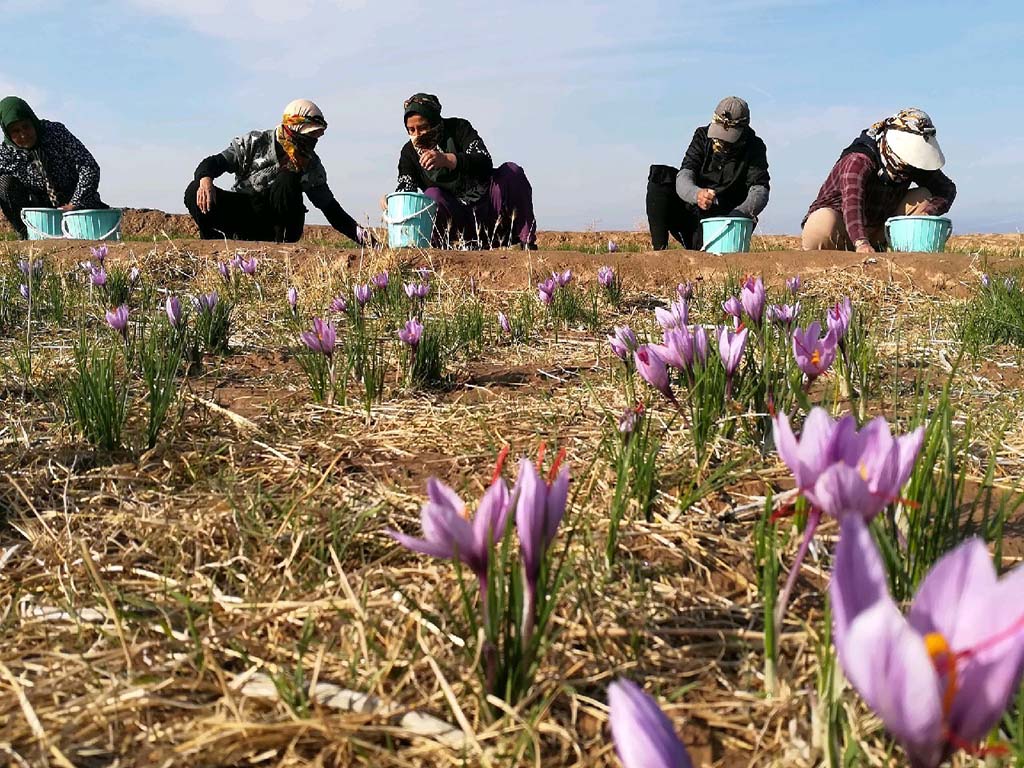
{"type": "Point", "coordinates": [468, 181]}
{"type": "Point", "coordinates": [72, 169]}
{"type": "Point", "coordinates": [730, 175]}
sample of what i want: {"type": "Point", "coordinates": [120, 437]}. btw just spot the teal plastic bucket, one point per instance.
{"type": "Point", "coordinates": [42, 223]}
{"type": "Point", "coordinates": [727, 234]}
{"type": "Point", "coordinates": [918, 234]}
{"type": "Point", "coordinates": [88, 224]}
{"type": "Point", "coordinates": [410, 220]}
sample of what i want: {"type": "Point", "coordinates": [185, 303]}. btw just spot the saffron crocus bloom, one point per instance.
{"type": "Point", "coordinates": [362, 293]}
{"type": "Point", "coordinates": [339, 305]}
{"type": "Point", "coordinates": [293, 298]}
{"type": "Point", "coordinates": [794, 284]}
{"type": "Point", "coordinates": [225, 271]}
{"type": "Point", "coordinates": [133, 275]}
{"type": "Point", "coordinates": [613, 247]}
{"type": "Point", "coordinates": [753, 299]}
{"type": "Point", "coordinates": [33, 268]}
{"type": "Point", "coordinates": [653, 370]}
{"type": "Point", "coordinates": [100, 254]}
{"type": "Point", "coordinates": [623, 341]}
{"type": "Point", "coordinates": [643, 736]}
{"type": "Point", "coordinates": [630, 419]}
{"type": "Point", "coordinates": [606, 277]}
{"type": "Point", "coordinates": [546, 291]}
{"type": "Point", "coordinates": [677, 351]}
{"type": "Point", "coordinates": [839, 318]}
{"type": "Point", "coordinates": [1009, 283]}
{"type": "Point", "coordinates": [562, 279]}
{"type": "Point", "coordinates": [685, 290]}
{"type": "Point", "coordinates": [540, 507]}
{"type": "Point", "coordinates": [98, 276]}
{"type": "Point", "coordinates": [676, 316]}
{"type": "Point", "coordinates": [941, 677]}
{"type": "Point", "coordinates": [814, 355]}
{"type": "Point", "coordinates": [733, 307]}
{"type": "Point", "coordinates": [248, 265]}
{"type": "Point", "coordinates": [118, 320]}
{"type": "Point", "coordinates": [784, 315]}
{"type": "Point", "coordinates": [986, 281]}
{"type": "Point", "coordinates": [322, 338]}
{"type": "Point", "coordinates": [448, 532]}
{"type": "Point", "coordinates": [173, 307]}
{"type": "Point", "coordinates": [380, 280]}
{"type": "Point", "coordinates": [503, 323]}
{"type": "Point", "coordinates": [731, 345]}
{"type": "Point", "coordinates": [700, 346]}
{"type": "Point", "coordinates": [207, 301]}
{"type": "Point", "coordinates": [411, 333]}
{"type": "Point", "coordinates": [23, 290]}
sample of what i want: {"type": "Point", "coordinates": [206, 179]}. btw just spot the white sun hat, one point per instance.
{"type": "Point", "coordinates": [917, 151]}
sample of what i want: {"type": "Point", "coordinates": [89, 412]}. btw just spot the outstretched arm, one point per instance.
{"type": "Point", "coordinates": [322, 197]}
{"type": "Point", "coordinates": [88, 169]}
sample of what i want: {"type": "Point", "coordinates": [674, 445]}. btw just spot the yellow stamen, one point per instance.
{"type": "Point", "coordinates": [945, 662]}
{"type": "Point", "coordinates": [816, 358]}
{"type": "Point", "coordinates": [864, 476]}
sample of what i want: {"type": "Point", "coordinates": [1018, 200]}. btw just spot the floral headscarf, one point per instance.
{"type": "Point", "coordinates": [301, 126]}
{"type": "Point", "coordinates": [911, 120]}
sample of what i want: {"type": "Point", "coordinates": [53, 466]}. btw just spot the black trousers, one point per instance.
{"type": "Point", "coordinates": [15, 195]}
{"type": "Point", "coordinates": [276, 215]}
{"type": "Point", "coordinates": [668, 215]}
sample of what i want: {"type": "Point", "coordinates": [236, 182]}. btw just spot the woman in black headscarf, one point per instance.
{"type": "Point", "coordinates": [42, 165]}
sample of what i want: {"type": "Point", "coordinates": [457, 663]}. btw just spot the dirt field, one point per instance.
{"type": "Point", "coordinates": [145, 591]}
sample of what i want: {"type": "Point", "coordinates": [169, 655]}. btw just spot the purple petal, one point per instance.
{"type": "Point", "coordinates": [643, 736]}
{"type": "Point", "coordinates": [858, 577]}
{"type": "Point", "coordinates": [531, 505]}
{"type": "Point", "coordinates": [558, 497]}
{"type": "Point", "coordinates": [443, 550]}
{"type": "Point", "coordinates": [841, 490]}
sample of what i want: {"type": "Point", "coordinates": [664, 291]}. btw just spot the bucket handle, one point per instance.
{"type": "Point", "coordinates": [64, 229]}
{"type": "Point", "coordinates": [42, 235]}
{"type": "Point", "coordinates": [719, 236]}
{"type": "Point", "coordinates": [411, 216]}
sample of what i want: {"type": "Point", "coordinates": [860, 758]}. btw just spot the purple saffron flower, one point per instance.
{"type": "Point", "coordinates": [753, 299]}
{"type": "Point", "coordinates": [98, 276]}
{"type": "Point", "coordinates": [839, 318]}
{"type": "Point", "coordinates": [546, 291]}
{"type": "Point", "coordinates": [118, 320]}
{"type": "Point", "coordinates": [733, 307]}
{"type": "Point", "coordinates": [814, 355]}
{"type": "Point", "coordinates": [100, 254]}
{"type": "Point", "coordinates": [676, 316]}
{"type": "Point", "coordinates": [23, 290]}
{"type": "Point", "coordinates": [941, 677]}
{"type": "Point", "coordinates": [613, 247]}
{"type": "Point", "coordinates": [540, 507]}
{"type": "Point", "coordinates": [380, 280]}
{"type": "Point", "coordinates": [236, 261]}
{"type": "Point", "coordinates": [653, 370]}
{"type": "Point", "coordinates": [1010, 283]}
{"type": "Point", "coordinates": [623, 341]}
{"type": "Point", "coordinates": [293, 298]}
{"type": "Point", "coordinates": [31, 268]}
{"type": "Point", "coordinates": [362, 293]}
{"type": "Point", "coordinates": [677, 351]}
{"type": "Point", "coordinates": [700, 346]}
{"type": "Point", "coordinates": [411, 333]}
{"type": "Point", "coordinates": [986, 281]}
{"type": "Point", "coordinates": [784, 315]}
{"type": "Point", "coordinates": [416, 290]}
{"type": "Point", "coordinates": [173, 308]}
{"type": "Point", "coordinates": [248, 265]}
{"type": "Point", "coordinates": [606, 277]}
{"type": "Point", "coordinates": [423, 273]}
{"type": "Point", "coordinates": [794, 284]}
{"type": "Point", "coordinates": [630, 420]}
{"type": "Point", "coordinates": [685, 290]}
{"type": "Point", "coordinates": [225, 271]}
{"type": "Point", "coordinates": [322, 338]}
{"type": "Point", "coordinates": [133, 275]}
{"type": "Point", "coordinates": [562, 279]}
{"type": "Point", "coordinates": [339, 305]}
{"type": "Point", "coordinates": [207, 301]}
{"type": "Point", "coordinates": [643, 735]}
{"type": "Point", "coordinates": [448, 532]}
{"type": "Point", "coordinates": [504, 324]}
{"type": "Point", "coordinates": [731, 345]}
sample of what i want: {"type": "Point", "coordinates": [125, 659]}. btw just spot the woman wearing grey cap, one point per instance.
{"type": "Point", "coordinates": [724, 173]}
{"type": "Point", "coordinates": [871, 181]}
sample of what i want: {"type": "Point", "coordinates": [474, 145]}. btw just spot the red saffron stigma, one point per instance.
{"type": "Point", "coordinates": [787, 511]}
{"type": "Point", "coordinates": [502, 455]}
{"type": "Point", "coordinates": [540, 454]}
{"type": "Point", "coordinates": [554, 467]}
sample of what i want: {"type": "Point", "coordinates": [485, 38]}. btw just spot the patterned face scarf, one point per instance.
{"type": "Point", "coordinates": [728, 124]}
{"type": "Point", "coordinates": [427, 106]}
{"type": "Point", "coordinates": [301, 126]}
{"type": "Point", "coordinates": [13, 110]}
{"type": "Point", "coordinates": [909, 120]}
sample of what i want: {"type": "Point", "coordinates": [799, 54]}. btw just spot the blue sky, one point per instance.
{"type": "Point", "coordinates": [584, 95]}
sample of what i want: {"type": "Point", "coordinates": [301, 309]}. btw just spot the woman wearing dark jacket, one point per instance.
{"type": "Point", "coordinates": [42, 165]}
{"type": "Point", "coordinates": [272, 169]}
{"type": "Point", "coordinates": [871, 180]}
{"type": "Point", "coordinates": [477, 204]}
{"type": "Point", "coordinates": [724, 173]}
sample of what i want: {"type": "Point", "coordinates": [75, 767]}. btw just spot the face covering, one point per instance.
{"type": "Point", "coordinates": [428, 139]}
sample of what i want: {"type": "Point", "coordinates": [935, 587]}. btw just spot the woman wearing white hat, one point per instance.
{"type": "Point", "coordinates": [272, 169]}
{"type": "Point", "coordinates": [872, 180]}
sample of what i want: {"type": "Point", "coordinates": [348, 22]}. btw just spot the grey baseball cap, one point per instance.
{"type": "Point", "coordinates": [732, 116]}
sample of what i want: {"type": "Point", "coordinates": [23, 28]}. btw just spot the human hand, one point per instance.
{"type": "Point", "coordinates": [705, 198]}
{"type": "Point", "coordinates": [206, 195]}
{"type": "Point", "coordinates": [865, 247]}
{"type": "Point", "coordinates": [433, 160]}
{"type": "Point", "coordinates": [69, 207]}
{"type": "Point", "coordinates": [384, 203]}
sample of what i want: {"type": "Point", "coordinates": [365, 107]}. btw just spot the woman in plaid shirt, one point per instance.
{"type": "Point", "coordinates": [871, 182]}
